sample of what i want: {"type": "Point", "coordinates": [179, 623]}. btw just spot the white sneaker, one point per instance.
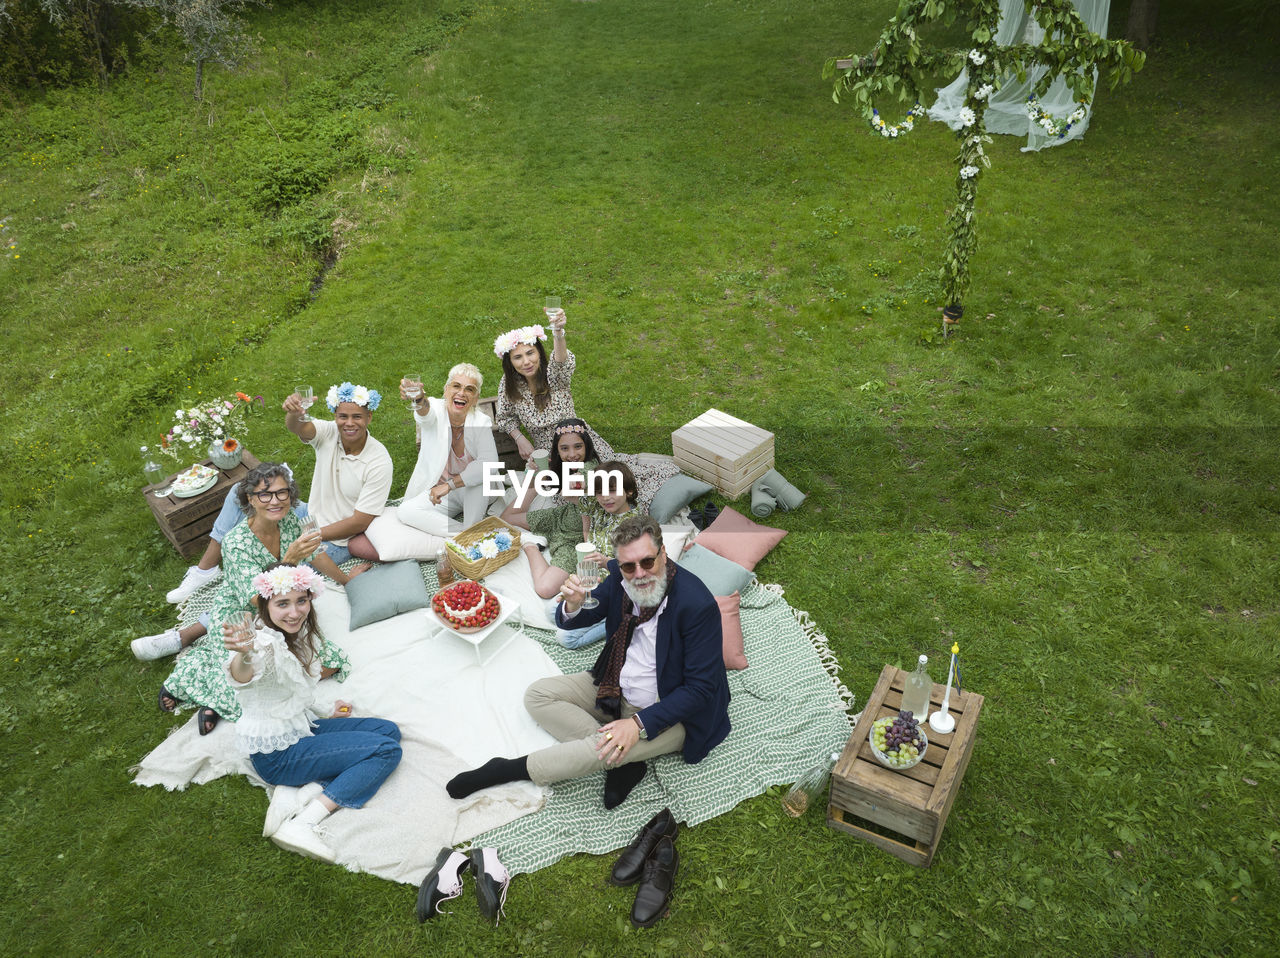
{"type": "Point", "coordinates": [157, 646]}
{"type": "Point", "coordinates": [280, 812]}
{"type": "Point", "coordinates": [192, 582]}
{"type": "Point", "coordinates": [297, 836]}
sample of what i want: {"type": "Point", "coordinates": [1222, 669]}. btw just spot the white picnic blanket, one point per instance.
{"type": "Point", "coordinates": [453, 715]}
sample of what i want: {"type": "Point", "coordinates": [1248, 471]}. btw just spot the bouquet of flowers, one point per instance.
{"type": "Point", "coordinates": [487, 548]}
{"type": "Point", "coordinates": [211, 422]}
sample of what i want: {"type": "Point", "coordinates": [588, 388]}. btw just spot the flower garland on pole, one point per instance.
{"type": "Point", "coordinates": [901, 64]}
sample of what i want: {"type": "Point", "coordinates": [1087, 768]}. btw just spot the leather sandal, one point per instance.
{"type": "Point", "coordinates": [167, 701]}
{"type": "Point", "coordinates": [206, 720]}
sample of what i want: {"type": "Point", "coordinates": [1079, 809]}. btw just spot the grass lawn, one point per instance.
{"type": "Point", "coordinates": [1079, 488]}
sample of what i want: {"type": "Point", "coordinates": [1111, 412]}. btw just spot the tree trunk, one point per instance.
{"type": "Point", "coordinates": [199, 92]}
{"type": "Point", "coordinates": [1141, 29]}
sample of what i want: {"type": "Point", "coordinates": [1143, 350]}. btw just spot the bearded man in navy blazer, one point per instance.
{"type": "Point", "coordinates": [658, 686]}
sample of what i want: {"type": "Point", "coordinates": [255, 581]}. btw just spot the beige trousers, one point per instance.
{"type": "Point", "coordinates": [565, 705]}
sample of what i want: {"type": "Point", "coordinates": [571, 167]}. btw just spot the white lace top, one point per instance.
{"type": "Point", "coordinates": [277, 701]}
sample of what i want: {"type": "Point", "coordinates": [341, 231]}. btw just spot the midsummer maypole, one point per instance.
{"type": "Point", "coordinates": [902, 64]}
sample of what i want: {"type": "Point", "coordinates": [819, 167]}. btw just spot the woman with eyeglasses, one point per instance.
{"type": "Point", "coordinates": [271, 533]}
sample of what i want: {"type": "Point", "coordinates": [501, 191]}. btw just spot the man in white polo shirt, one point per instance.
{"type": "Point", "coordinates": [352, 478]}
{"type": "Point", "coordinates": [348, 490]}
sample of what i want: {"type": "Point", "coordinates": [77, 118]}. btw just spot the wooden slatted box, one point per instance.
{"type": "Point", "coordinates": [186, 523]}
{"type": "Point", "coordinates": [728, 453]}
{"type": "Point", "coordinates": [902, 812]}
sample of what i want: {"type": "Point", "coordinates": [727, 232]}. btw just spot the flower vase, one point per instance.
{"type": "Point", "coordinates": [226, 453]}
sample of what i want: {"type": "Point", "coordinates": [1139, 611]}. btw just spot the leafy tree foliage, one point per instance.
{"type": "Point", "coordinates": [902, 65]}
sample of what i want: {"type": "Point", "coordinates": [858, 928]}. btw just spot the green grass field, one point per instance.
{"type": "Point", "coordinates": [1079, 488]}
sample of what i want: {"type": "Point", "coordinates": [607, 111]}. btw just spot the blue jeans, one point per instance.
{"type": "Point", "coordinates": [577, 638]}
{"type": "Point", "coordinates": [339, 554]}
{"type": "Point", "coordinates": [230, 516]}
{"type": "Point", "coordinates": [351, 757]}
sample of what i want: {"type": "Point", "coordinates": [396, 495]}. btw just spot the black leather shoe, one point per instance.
{"type": "Point", "coordinates": [430, 895]}
{"type": "Point", "coordinates": [654, 892]}
{"type": "Point", "coordinates": [491, 883]}
{"type": "Point", "coordinates": [630, 864]}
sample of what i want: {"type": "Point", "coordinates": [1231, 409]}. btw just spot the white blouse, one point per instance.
{"type": "Point", "coordinates": [277, 701]}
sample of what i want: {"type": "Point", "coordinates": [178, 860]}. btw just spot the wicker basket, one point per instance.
{"type": "Point", "coordinates": [479, 568]}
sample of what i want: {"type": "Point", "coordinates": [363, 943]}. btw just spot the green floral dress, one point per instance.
{"type": "Point", "coordinates": [199, 677]}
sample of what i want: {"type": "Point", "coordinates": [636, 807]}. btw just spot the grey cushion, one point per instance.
{"type": "Point", "coordinates": [722, 576]}
{"type": "Point", "coordinates": [676, 493]}
{"type": "Point", "coordinates": [384, 591]}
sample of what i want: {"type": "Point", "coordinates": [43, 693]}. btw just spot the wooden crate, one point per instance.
{"type": "Point", "coordinates": [902, 812]}
{"type": "Point", "coordinates": [728, 453]}
{"type": "Point", "coordinates": [187, 522]}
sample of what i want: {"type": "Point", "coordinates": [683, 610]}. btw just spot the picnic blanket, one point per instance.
{"type": "Point", "coordinates": [453, 715]}
{"type": "Point", "coordinates": [788, 709]}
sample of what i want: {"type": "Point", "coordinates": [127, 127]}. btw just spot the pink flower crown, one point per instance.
{"type": "Point", "coordinates": [524, 336]}
{"type": "Point", "coordinates": [285, 579]}
{"type": "Point", "coordinates": [566, 430]}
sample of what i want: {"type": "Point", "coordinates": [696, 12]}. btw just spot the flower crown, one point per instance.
{"type": "Point", "coordinates": [524, 336]}
{"type": "Point", "coordinates": [285, 579]}
{"type": "Point", "coordinates": [565, 430]}
{"type": "Point", "coordinates": [349, 392]}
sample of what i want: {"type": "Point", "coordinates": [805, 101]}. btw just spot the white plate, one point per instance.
{"type": "Point", "coordinates": [506, 609]}
{"type": "Point", "coordinates": [203, 487]}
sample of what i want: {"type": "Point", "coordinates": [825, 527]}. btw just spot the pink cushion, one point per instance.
{"type": "Point", "coordinates": [731, 623]}
{"type": "Point", "coordinates": [738, 539]}
{"type": "Point", "coordinates": [362, 548]}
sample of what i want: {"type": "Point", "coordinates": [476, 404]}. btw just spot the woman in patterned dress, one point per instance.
{"type": "Point", "coordinates": [535, 395]}
{"type": "Point", "coordinates": [271, 533]}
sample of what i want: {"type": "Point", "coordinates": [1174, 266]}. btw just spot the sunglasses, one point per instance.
{"type": "Point", "coordinates": [629, 568]}
{"type": "Point", "coordinates": [279, 495]}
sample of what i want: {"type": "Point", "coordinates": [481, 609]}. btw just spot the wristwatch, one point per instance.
{"type": "Point", "coordinates": [640, 725]}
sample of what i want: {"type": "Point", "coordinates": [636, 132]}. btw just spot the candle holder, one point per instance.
{"type": "Point", "coordinates": [941, 720]}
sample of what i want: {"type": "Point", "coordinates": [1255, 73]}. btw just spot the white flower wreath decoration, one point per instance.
{"type": "Point", "coordinates": [894, 130]}
{"type": "Point", "coordinates": [1051, 125]}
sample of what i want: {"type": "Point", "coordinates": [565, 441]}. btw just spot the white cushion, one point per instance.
{"type": "Point", "coordinates": [394, 540]}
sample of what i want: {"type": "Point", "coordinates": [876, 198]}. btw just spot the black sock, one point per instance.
{"type": "Point", "coordinates": [496, 771]}
{"type": "Point", "coordinates": [618, 782]}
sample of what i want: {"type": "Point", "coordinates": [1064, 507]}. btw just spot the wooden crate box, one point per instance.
{"type": "Point", "coordinates": [728, 453]}
{"type": "Point", "coordinates": [187, 522]}
{"type": "Point", "coordinates": [902, 812]}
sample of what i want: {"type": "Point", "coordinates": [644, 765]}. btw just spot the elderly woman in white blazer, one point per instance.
{"type": "Point", "coordinates": [446, 490]}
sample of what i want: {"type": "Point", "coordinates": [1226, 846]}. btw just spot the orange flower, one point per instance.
{"type": "Point", "coordinates": [244, 397]}
{"type": "Point", "coordinates": [230, 445]}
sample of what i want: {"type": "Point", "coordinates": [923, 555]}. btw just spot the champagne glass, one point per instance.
{"type": "Point", "coordinates": [310, 524]}
{"type": "Point", "coordinates": [307, 396]}
{"type": "Point", "coordinates": [552, 308]}
{"type": "Point", "coordinates": [241, 626]}
{"type": "Point", "coordinates": [588, 573]}
{"type": "Point", "coordinates": [413, 388]}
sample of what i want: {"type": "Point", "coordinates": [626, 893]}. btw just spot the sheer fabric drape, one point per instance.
{"type": "Point", "coordinates": [1007, 108]}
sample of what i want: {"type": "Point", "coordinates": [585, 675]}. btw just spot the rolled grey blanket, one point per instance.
{"type": "Point", "coordinates": [775, 487]}
{"type": "Point", "coordinates": [762, 504]}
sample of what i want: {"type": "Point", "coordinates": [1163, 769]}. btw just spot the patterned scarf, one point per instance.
{"type": "Point", "coordinates": [607, 671]}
